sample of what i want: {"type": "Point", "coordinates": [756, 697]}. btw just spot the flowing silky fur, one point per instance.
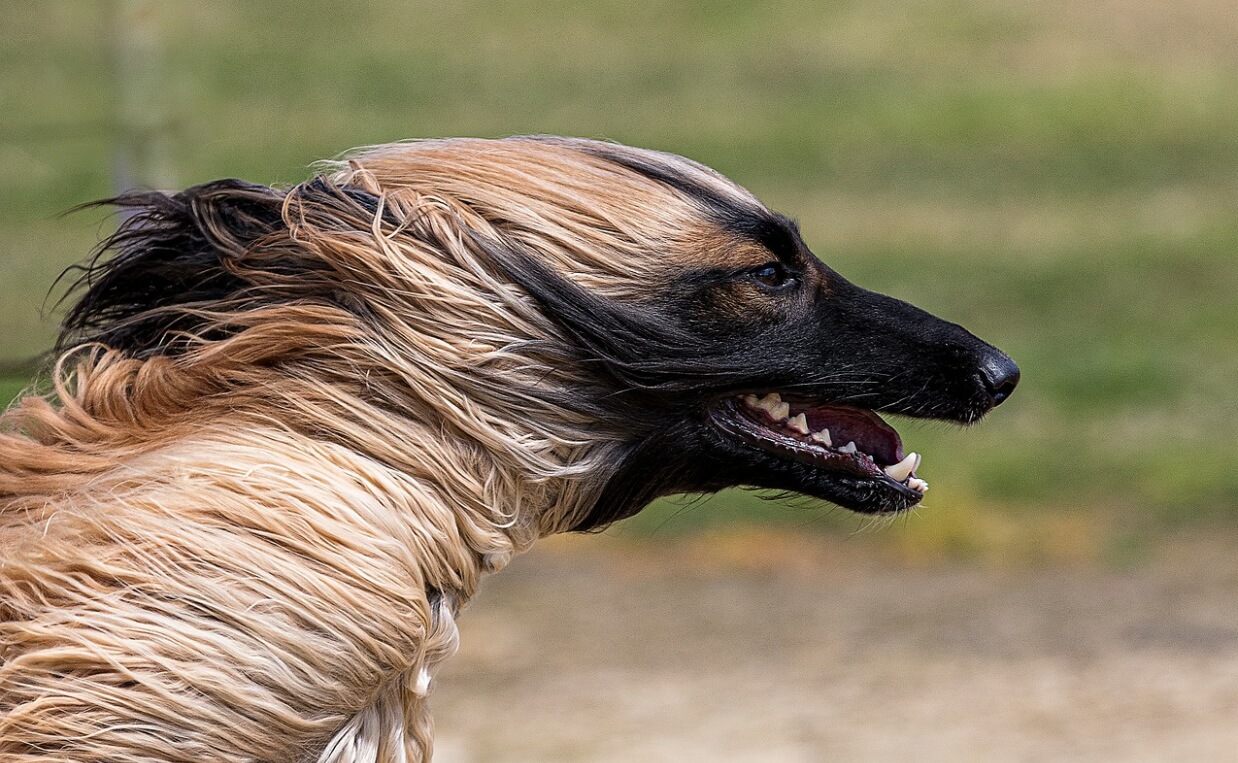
{"type": "Point", "coordinates": [289, 431]}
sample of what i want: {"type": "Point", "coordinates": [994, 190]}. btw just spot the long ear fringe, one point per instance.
{"type": "Point", "coordinates": [173, 251]}
{"type": "Point", "coordinates": [637, 350]}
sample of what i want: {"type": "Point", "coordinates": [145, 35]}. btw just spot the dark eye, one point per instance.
{"type": "Point", "coordinates": [772, 274]}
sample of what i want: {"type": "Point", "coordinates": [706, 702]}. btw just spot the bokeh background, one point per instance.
{"type": "Point", "coordinates": [1060, 176]}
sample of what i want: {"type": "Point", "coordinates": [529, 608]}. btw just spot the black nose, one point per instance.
{"type": "Point", "coordinates": [1000, 376]}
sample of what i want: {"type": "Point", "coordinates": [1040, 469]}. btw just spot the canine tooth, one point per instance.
{"type": "Point", "coordinates": [822, 437]}
{"type": "Point", "coordinates": [848, 448]}
{"type": "Point", "coordinates": [903, 469]}
{"type": "Point", "coordinates": [799, 423]}
{"type": "Point", "coordinates": [751, 401]}
{"type": "Point", "coordinates": [773, 405]}
{"type": "Point", "coordinates": [917, 484]}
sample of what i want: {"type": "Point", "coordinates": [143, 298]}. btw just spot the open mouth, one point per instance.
{"type": "Point", "coordinates": [852, 446]}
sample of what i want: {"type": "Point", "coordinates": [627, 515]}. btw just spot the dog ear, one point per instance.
{"type": "Point", "coordinates": [216, 247]}
{"type": "Point", "coordinates": [170, 251]}
{"type": "Point", "coordinates": [638, 349]}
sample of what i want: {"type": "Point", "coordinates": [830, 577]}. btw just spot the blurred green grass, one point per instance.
{"type": "Point", "coordinates": [1059, 177]}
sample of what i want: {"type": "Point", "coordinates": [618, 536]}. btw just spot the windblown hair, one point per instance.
{"type": "Point", "coordinates": [290, 430]}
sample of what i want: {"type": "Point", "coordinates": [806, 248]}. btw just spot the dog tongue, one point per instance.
{"type": "Point", "coordinates": [870, 434]}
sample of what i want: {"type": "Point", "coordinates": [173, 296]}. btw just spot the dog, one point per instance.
{"type": "Point", "coordinates": [289, 431]}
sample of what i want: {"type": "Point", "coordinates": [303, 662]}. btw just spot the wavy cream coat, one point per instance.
{"type": "Point", "coordinates": [253, 548]}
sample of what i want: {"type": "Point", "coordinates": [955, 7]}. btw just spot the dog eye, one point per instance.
{"type": "Point", "coordinates": [772, 274]}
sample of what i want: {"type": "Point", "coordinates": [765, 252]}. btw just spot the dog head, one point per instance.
{"type": "Point", "coordinates": [616, 298]}
{"type": "Point", "coordinates": [761, 365]}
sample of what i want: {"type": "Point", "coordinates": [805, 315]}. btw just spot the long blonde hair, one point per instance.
{"type": "Point", "coordinates": [289, 431]}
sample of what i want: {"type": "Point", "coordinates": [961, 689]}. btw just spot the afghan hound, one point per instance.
{"type": "Point", "coordinates": [289, 431]}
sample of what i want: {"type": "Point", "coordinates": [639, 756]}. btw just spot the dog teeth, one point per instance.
{"type": "Point", "coordinates": [779, 411]}
{"type": "Point", "coordinates": [771, 404]}
{"type": "Point", "coordinates": [903, 469]}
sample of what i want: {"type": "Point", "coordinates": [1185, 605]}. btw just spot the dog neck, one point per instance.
{"type": "Point", "coordinates": [312, 579]}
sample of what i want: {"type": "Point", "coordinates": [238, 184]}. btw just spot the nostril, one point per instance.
{"type": "Point", "coordinates": [1001, 376]}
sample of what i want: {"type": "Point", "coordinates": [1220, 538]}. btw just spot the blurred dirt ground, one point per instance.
{"type": "Point", "coordinates": [782, 648]}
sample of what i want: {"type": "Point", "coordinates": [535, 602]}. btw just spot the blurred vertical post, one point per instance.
{"type": "Point", "coordinates": [143, 145]}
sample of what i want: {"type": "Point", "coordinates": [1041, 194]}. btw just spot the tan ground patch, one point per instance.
{"type": "Point", "coordinates": [610, 655]}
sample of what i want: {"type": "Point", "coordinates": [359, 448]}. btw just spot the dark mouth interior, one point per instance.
{"type": "Point", "coordinates": [853, 441]}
